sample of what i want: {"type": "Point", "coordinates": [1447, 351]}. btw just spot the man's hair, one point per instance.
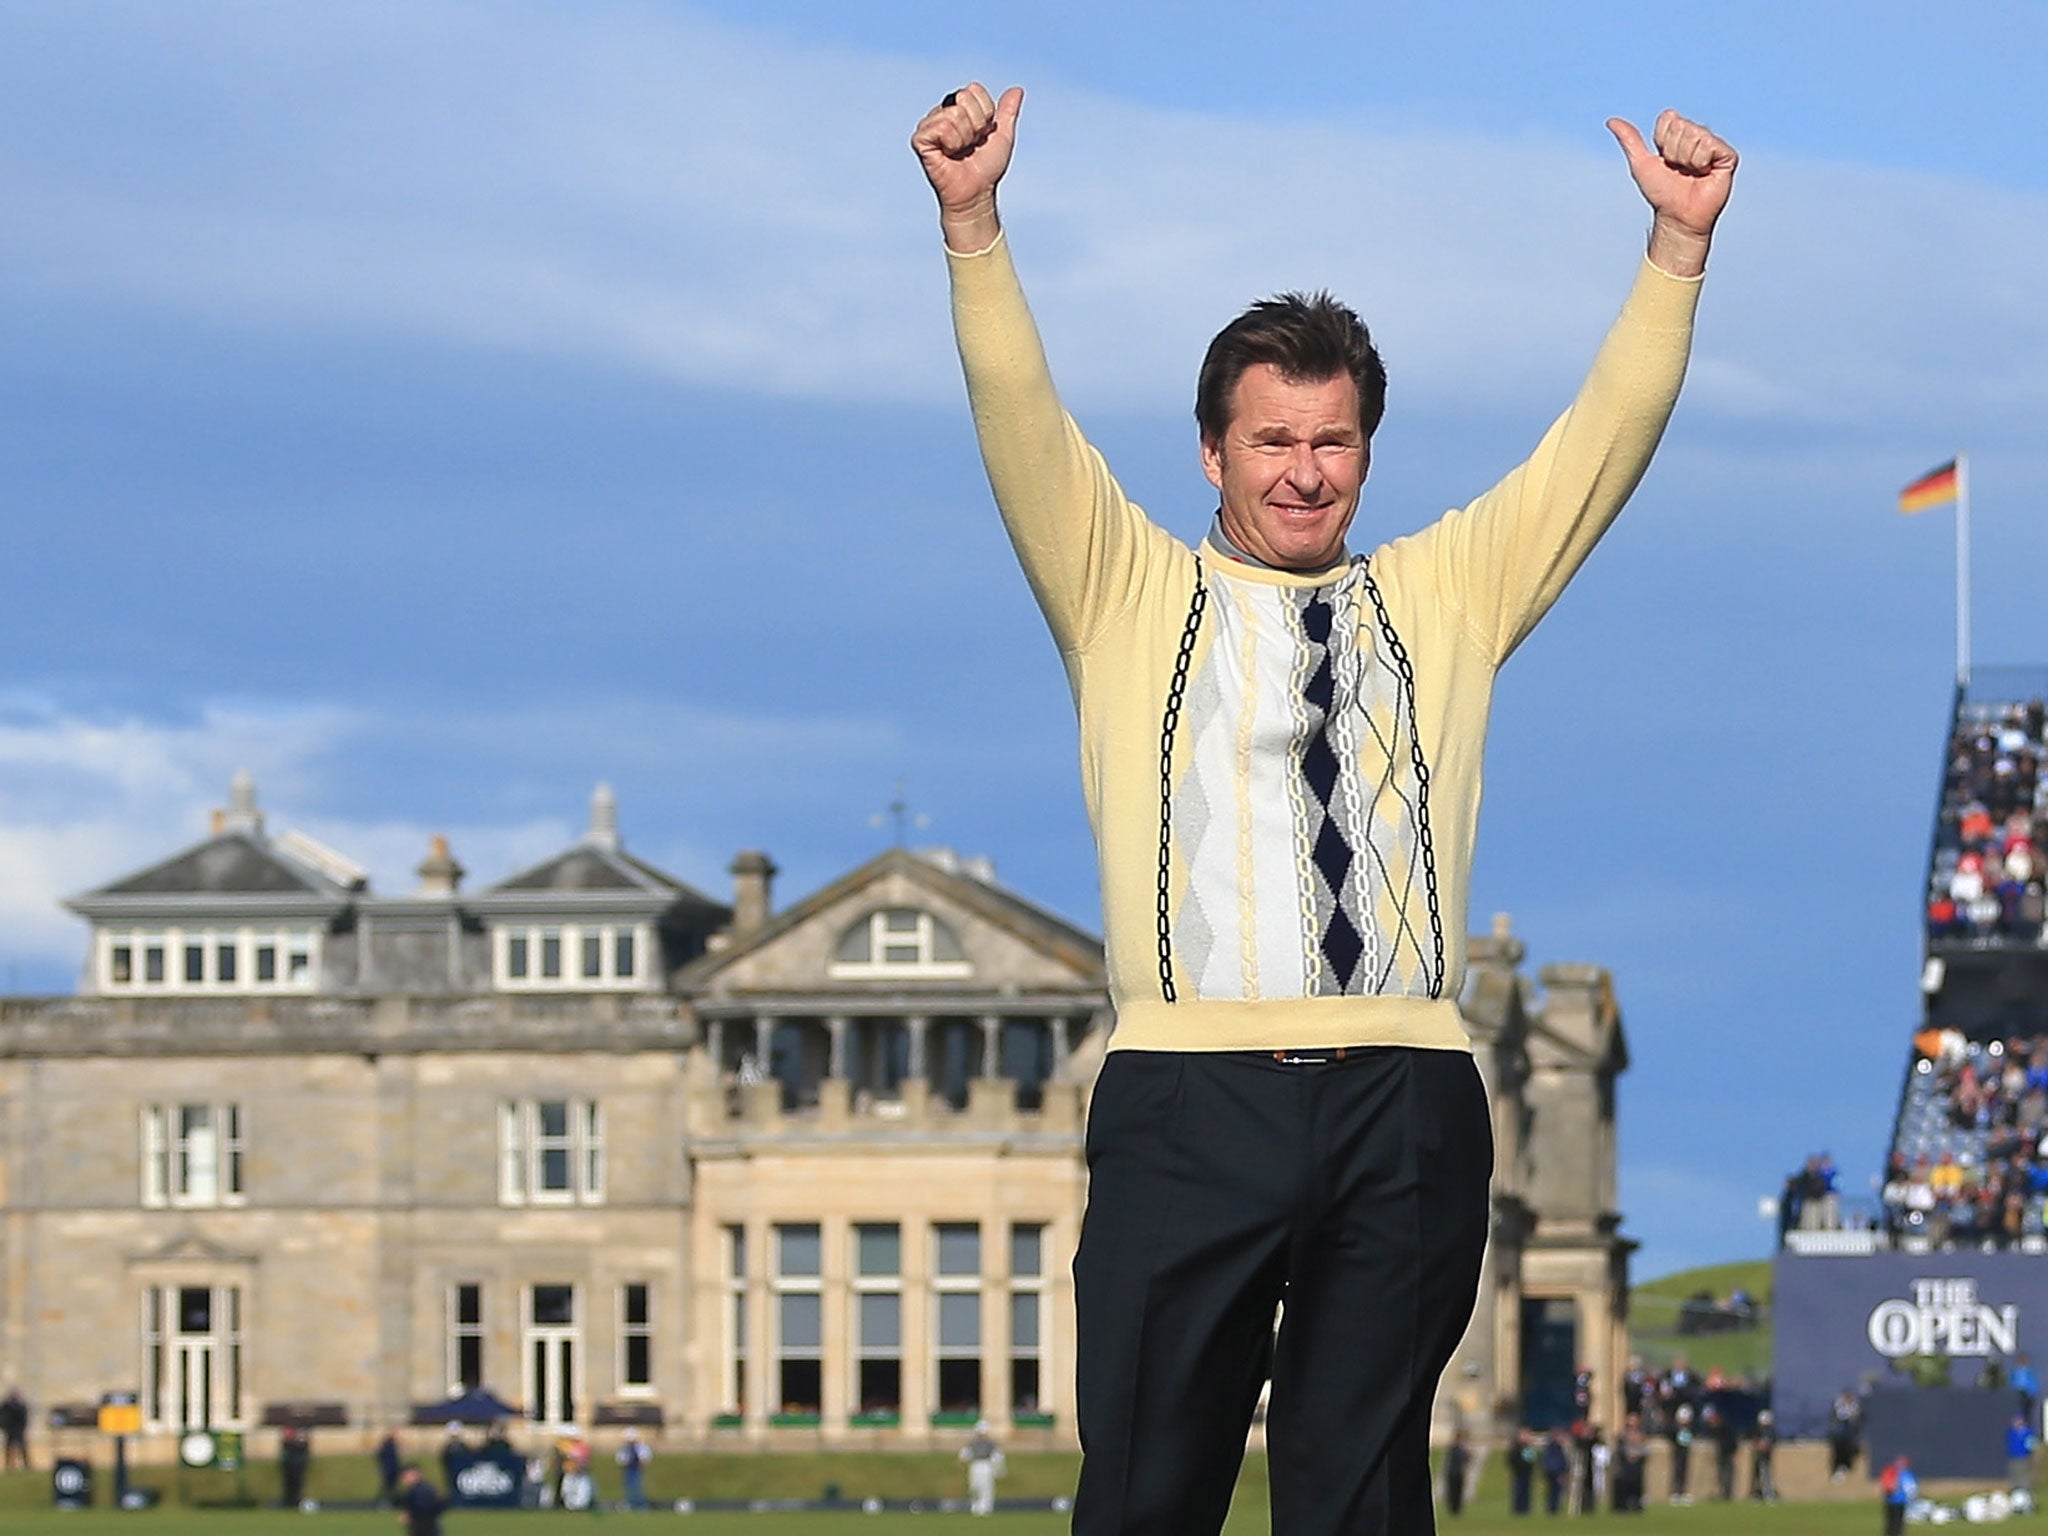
{"type": "Point", "coordinates": [1308, 337]}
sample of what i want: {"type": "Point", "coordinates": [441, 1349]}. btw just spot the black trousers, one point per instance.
{"type": "Point", "coordinates": [1222, 1183]}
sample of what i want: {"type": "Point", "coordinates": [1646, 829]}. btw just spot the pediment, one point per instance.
{"type": "Point", "coordinates": [196, 1250]}
{"type": "Point", "coordinates": [977, 937]}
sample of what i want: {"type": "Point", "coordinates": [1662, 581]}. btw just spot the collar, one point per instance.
{"type": "Point", "coordinates": [1225, 546]}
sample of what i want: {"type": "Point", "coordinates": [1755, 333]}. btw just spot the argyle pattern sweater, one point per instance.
{"type": "Point", "coordinates": [1282, 769]}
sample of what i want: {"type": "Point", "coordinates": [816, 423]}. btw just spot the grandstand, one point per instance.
{"type": "Point", "coordinates": [1942, 1277]}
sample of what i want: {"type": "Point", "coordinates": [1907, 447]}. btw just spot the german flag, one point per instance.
{"type": "Point", "coordinates": [1932, 489]}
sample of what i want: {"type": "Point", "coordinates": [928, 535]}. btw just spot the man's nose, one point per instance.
{"type": "Point", "coordinates": [1303, 472]}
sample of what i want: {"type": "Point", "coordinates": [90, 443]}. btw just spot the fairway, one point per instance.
{"type": "Point", "coordinates": [1245, 1521]}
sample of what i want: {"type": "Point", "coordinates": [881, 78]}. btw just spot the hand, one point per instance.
{"type": "Point", "coordinates": [1686, 180]}
{"type": "Point", "coordinates": [965, 148]}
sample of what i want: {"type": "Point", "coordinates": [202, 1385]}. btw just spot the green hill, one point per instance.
{"type": "Point", "coordinates": [1654, 1309]}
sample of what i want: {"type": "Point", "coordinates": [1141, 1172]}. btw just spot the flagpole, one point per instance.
{"type": "Point", "coordinates": [1962, 570]}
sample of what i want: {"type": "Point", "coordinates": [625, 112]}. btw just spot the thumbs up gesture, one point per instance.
{"type": "Point", "coordinates": [1685, 177]}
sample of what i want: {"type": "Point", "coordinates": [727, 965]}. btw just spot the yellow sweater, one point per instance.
{"type": "Point", "coordinates": [1283, 769]}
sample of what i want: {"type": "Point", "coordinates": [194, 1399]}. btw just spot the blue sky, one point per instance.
{"type": "Point", "coordinates": [439, 407]}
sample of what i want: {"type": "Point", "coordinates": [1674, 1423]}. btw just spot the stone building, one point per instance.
{"type": "Point", "coordinates": [626, 1153]}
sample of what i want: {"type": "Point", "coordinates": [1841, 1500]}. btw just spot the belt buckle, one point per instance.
{"type": "Point", "coordinates": [1297, 1059]}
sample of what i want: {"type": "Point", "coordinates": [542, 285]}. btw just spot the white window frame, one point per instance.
{"type": "Point", "coordinates": [165, 1349]}
{"type": "Point", "coordinates": [287, 944]}
{"type": "Point", "coordinates": [550, 1336]}
{"type": "Point", "coordinates": [781, 1285]}
{"type": "Point", "coordinates": [522, 1149]}
{"type": "Point", "coordinates": [1032, 1287]}
{"type": "Point", "coordinates": [733, 1320]}
{"type": "Point", "coordinates": [167, 1156]}
{"type": "Point", "coordinates": [944, 1285]}
{"type": "Point", "coordinates": [873, 1285]}
{"type": "Point", "coordinates": [572, 937]}
{"type": "Point", "coordinates": [457, 1331]}
{"type": "Point", "coordinates": [628, 1331]}
{"type": "Point", "coordinates": [921, 936]}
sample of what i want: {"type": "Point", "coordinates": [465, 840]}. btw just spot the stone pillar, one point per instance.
{"type": "Point", "coordinates": [1062, 1047]}
{"type": "Point", "coordinates": [991, 1045]}
{"type": "Point", "coordinates": [916, 1024]}
{"type": "Point", "coordinates": [764, 1041]}
{"type": "Point", "coordinates": [836, 1067]}
{"type": "Point", "coordinates": [714, 1042]}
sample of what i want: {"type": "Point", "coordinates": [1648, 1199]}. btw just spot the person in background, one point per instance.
{"type": "Point", "coordinates": [294, 1460]}
{"type": "Point", "coordinates": [1845, 1433]}
{"type": "Point", "coordinates": [420, 1504]}
{"type": "Point", "coordinates": [2027, 1383]}
{"type": "Point", "coordinates": [1557, 1470]}
{"type": "Point", "coordinates": [1898, 1488]}
{"type": "Point", "coordinates": [1763, 1450]}
{"type": "Point", "coordinates": [633, 1456]}
{"type": "Point", "coordinates": [984, 1460]}
{"type": "Point", "coordinates": [1522, 1458]}
{"type": "Point", "coordinates": [1681, 1454]}
{"type": "Point", "coordinates": [14, 1429]}
{"type": "Point", "coordinates": [387, 1470]}
{"type": "Point", "coordinates": [1631, 1456]}
{"type": "Point", "coordinates": [1457, 1468]}
{"type": "Point", "coordinates": [2019, 1454]}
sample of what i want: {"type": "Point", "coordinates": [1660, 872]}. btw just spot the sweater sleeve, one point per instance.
{"type": "Point", "coordinates": [1082, 543]}
{"type": "Point", "coordinates": [1500, 562]}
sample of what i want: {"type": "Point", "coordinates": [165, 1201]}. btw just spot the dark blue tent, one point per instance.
{"type": "Point", "coordinates": [479, 1405]}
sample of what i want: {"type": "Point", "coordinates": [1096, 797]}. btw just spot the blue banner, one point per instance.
{"type": "Point", "coordinates": [1855, 1322]}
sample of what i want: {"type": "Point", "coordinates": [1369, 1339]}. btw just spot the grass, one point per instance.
{"type": "Point", "coordinates": [1653, 1320]}
{"type": "Point", "coordinates": [24, 1506]}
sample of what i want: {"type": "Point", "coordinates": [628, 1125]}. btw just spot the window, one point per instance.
{"type": "Point", "coordinates": [878, 1320]}
{"type": "Point", "coordinates": [192, 1356]}
{"type": "Point", "coordinates": [578, 957]}
{"type": "Point", "coordinates": [636, 1339]}
{"type": "Point", "coordinates": [206, 960]}
{"type": "Point", "coordinates": [554, 1349]}
{"type": "Point", "coordinates": [900, 941]}
{"type": "Point", "coordinates": [192, 1154]}
{"type": "Point", "coordinates": [465, 1337]}
{"type": "Point", "coordinates": [735, 1340]}
{"type": "Point", "coordinates": [799, 1322]}
{"type": "Point", "coordinates": [956, 1283]}
{"type": "Point", "coordinates": [551, 1152]}
{"type": "Point", "coordinates": [1027, 1319]}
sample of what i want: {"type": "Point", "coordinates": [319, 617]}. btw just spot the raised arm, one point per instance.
{"type": "Point", "coordinates": [1082, 544]}
{"type": "Point", "coordinates": [1686, 179]}
{"type": "Point", "coordinates": [964, 145]}
{"type": "Point", "coordinates": [1504, 559]}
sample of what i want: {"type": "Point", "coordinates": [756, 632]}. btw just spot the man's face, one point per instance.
{"type": "Point", "coordinates": [1289, 465]}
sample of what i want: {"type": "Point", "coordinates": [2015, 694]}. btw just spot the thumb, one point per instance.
{"type": "Point", "coordinates": [1631, 142]}
{"type": "Point", "coordinates": [1007, 109]}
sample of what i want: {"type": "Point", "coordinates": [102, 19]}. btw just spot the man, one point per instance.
{"type": "Point", "coordinates": [294, 1461]}
{"type": "Point", "coordinates": [1898, 1488]}
{"type": "Point", "coordinates": [1522, 1458]}
{"type": "Point", "coordinates": [2019, 1455]}
{"type": "Point", "coordinates": [14, 1429]}
{"type": "Point", "coordinates": [419, 1502]}
{"type": "Point", "coordinates": [984, 1460]}
{"type": "Point", "coordinates": [1457, 1472]}
{"type": "Point", "coordinates": [1281, 752]}
{"type": "Point", "coordinates": [388, 1465]}
{"type": "Point", "coordinates": [633, 1456]}
{"type": "Point", "coordinates": [1763, 1480]}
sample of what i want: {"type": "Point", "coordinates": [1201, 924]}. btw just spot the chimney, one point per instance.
{"type": "Point", "coordinates": [216, 822]}
{"type": "Point", "coordinates": [604, 819]}
{"type": "Point", "coordinates": [242, 814]}
{"type": "Point", "coordinates": [439, 874]}
{"type": "Point", "coordinates": [753, 874]}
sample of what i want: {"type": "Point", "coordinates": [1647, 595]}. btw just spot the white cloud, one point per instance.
{"type": "Point", "coordinates": [88, 797]}
{"type": "Point", "coordinates": [656, 191]}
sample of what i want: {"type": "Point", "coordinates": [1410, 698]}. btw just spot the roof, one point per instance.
{"type": "Point", "coordinates": [591, 869]}
{"type": "Point", "coordinates": [1045, 930]}
{"type": "Point", "coordinates": [231, 864]}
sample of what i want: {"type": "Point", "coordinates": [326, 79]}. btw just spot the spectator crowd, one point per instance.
{"type": "Point", "coordinates": [1967, 1166]}
{"type": "Point", "coordinates": [1985, 882]}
